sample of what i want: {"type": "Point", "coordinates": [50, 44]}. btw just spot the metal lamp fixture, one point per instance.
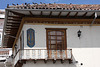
{"type": "Point", "coordinates": [79, 33]}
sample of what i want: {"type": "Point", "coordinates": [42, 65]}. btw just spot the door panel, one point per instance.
{"type": "Point", "coordinates": [56, 39]}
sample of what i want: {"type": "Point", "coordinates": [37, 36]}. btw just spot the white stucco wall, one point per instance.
{"type": "Point", "coordinates": [90, 37]}
{"type": "Point", "coordinates": [85, 50]}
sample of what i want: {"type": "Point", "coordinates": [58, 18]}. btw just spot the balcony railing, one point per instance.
{"type": "Point", "coordinates": [42, 54]}
{"type": "Point", "coordinates": [4, 53]}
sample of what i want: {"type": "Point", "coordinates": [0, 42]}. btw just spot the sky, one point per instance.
{"type": "Point", "coordinates": [3, 3]}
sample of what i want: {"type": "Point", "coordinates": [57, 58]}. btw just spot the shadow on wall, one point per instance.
{"type": "Point", "coordinates": [49, 63]}
{"type": "Point", "coordinates": [76, 63]}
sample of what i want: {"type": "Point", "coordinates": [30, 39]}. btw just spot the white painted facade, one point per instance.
{"type": "Point", "coordinates": [89, 38]}
{"type": "Point", "coordinates": [85, 50]}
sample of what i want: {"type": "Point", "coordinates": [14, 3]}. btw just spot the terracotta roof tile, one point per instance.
{"type": "Point", "coordinates": [58, 6]}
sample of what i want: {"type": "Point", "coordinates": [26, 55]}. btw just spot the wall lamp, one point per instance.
{"type": "Point", "coordinates": [79, 33]}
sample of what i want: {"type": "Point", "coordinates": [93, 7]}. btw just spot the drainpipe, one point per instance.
{"type": "Point", "coordinates": [94, 19]}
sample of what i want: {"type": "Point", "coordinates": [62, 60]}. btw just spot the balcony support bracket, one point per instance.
{"type": "Point", "coordinates": [70, 61]}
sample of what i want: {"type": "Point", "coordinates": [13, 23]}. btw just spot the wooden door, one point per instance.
{"type": "Point", "coordinates": [56, 39]}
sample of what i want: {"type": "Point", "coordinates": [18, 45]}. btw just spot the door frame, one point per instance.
{"type": "Point", "coordinates": [47, 29]}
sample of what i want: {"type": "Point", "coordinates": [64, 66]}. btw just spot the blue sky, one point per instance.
{"type": "Point", "coordinates": [3, 3]}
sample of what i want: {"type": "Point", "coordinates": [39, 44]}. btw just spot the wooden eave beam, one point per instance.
{"type": "Point", "coordinates": [15, 19]}
{"type": "Point", "coordinates": [59, 14]}
{"type": "Point", "coordinates": [93, 15]}
{"type": "Point", "coordinates": [8, 29]}
{"type": "Point", "coordinates": [84, 14]}
{"type": "Point", "coordinates": [68, 14]}
{"type": "Point", "coordinates": [16, 13]}
{"type": "Point", "coordinates": [11, 27]}
{"type": "Point", "coordinates": [76, 14]}
{"type": "Point", "coordinates": [13, 22]}
{"type": "Point", "coordinates": [18, 33]}
{"type": "Point", "coordinates": [58, 19]}
{"type": "Point", "coordinates": [15, 16]}
{"type": "Point", "coordinates": [41, 13]}
{"type": "Point", "coordinates": [31, 13]}
{"type": "Point", "coordinates": [6, 39]}
{"type": "Point", "coordinates": [50, 14]}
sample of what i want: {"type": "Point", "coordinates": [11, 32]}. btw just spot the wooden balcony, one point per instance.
{"type": "Point", "coordinates": [38, 54]}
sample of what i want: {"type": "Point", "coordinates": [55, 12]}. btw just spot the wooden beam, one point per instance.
{"type": "Point", "coordinates": [31, 13]}
{"type": "Point", "coordinates": [18, 33]}
{"type": "Point", "coordinates": [11, 27]}
{"type": "Point", "coordinates": [76, 14]}
{"type": "Point", "coordinates": [59, 14]}
{"type": "Point", "coordinates": [41, 13]}
{"type": "Point", "coordinates": [15, 16]}
{"type": "Point", "coordinates": [8, 29]}
{"type": "Point", "coordinates": [93, 15]}
{"type": "Point", "coordinates": [63, 24]}
{"type": "Point", "coordinates": [12, 32]}
{"type": "Point", "coordinates": [68, 14]}
{"type": "Point", "coordinates": [50, 14]}
{"type": "Point", "coordinates": [16, 13]}
{"type": "Point", "coordinates": [14, 22]}
{"type": "Point", "coordinates": [84, 14]}
{"type": "Point", "coordinates": [59, 19]}
{"type": "Point", "coordinates": [15, 19]}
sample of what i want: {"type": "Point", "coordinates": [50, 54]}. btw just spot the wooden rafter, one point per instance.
{"type": "Point", "coordinates": [15, 19]}
{"type": "Point", "coordinates": [41, 13]}
{"type": "Point", "coordinates": [93, 15]}
{"type": "Point", "coordinates": [68, 14]}
{"type": "Point", "coordinates": [84, 14]}
{"type": "Point", "coordinates": [76, 14]}
{"type": "Point", "coordinates": [14, 22]}
{"type": "Point", "coordinates": [14, 25]}
{"type": "Point", "coordinates": [59, 14]}
{"type": "Point", "coordinates": [12, 32]}
{"type": "Point", "coordinates": [8, 29]}
{"type": "Point", "coordinates": [50, 14]}
{"type": "Point", "coordinates": [15, 16]}
{"type": "Point", "coordinates": [11, 27]}
{"type": "Point", "coordinates": [59, 19]}
{"type": "Point", "coordinates": [18, 33]}
{"type": "Point", "coordinates": [16, 13]}
{"type": "Point", "coordinates": [31, 13]}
